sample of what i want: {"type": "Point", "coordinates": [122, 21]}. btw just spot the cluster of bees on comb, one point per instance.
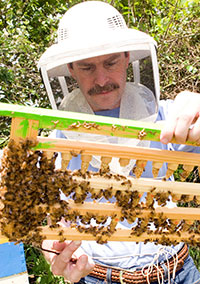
{"type": "Point", "coordinates": [30, 194]}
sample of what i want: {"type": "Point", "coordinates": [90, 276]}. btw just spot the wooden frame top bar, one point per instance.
{"type": "Point", "coordinates": [80, 122]}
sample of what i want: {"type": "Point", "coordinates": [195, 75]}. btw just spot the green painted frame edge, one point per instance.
{"type": "Point", "coordinates": [73, 121]}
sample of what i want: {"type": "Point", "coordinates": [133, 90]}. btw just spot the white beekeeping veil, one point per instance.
{"type": "Point", "coordinates": [91, 29]}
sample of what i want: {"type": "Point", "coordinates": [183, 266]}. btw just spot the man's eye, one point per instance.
{"type": "Point", "coordinates": [110, 64]}
{"type": "Point", "coordinates": [86, 69]}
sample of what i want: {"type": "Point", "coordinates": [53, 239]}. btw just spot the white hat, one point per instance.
{"type": "Point", "coordinates": [90, 29]}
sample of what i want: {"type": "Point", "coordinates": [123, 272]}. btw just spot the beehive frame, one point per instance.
{"type": "Point", "coordinates": [27, 121]}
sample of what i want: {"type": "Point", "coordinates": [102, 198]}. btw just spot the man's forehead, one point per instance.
{"type": "Point", "coordinates": [100, 58]}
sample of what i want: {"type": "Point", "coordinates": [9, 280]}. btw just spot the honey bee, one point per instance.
{"type": "Point", "coordinates": [74, 125]}
{"type": "Point", "coordinates": [113, 128]}
{"type": "Point", "coordinates": [141, 134]}
{"type": "Point", "coordinates": [117, 177]}
{"type": "Point", "coordinates": [108, 193]}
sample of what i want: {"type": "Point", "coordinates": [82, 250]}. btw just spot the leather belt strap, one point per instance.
{"type": "Point", "coordinates": [137, 276]}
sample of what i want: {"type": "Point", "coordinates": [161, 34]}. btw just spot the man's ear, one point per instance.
{"type": "Point", "coordinates": [71, 69]}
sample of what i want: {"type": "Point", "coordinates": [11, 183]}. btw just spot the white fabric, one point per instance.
{"type": "Point", "coordinates": [100, 30]}
{"type": "Point", "coordinates": [138, 103]}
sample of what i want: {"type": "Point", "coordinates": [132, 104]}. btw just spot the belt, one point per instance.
{"type": "Point", "coordinates": [137, 277]}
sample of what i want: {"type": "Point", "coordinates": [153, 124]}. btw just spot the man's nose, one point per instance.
{"type": "Point", "coordinates": [101, 77]}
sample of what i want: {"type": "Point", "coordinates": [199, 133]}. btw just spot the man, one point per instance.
{"type": "Point", "coordinates": [97, 53]}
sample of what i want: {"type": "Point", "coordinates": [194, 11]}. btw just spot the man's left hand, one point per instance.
{"type": "Point", "coordinates": [183, 122]}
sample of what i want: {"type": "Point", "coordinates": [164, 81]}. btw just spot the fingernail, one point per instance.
{"type": "Point", "coordinates": [77, 243]}
{"type": "Point", "coordinates": [84, 261]}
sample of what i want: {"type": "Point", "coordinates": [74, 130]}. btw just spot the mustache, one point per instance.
{"type": "Point", "coordinates": [107, 88]}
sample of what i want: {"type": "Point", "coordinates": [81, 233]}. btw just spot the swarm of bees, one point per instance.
{"type": "Point", "coordinates": [30, 191]}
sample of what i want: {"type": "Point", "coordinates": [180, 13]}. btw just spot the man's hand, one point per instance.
{"type": "Point", "coordinates": [72, 262]}
{"type": "Point", "coordinates": [183, 122]}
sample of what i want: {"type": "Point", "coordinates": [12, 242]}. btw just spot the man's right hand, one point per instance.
{"type": "Point", "coordinates": [71, 263]}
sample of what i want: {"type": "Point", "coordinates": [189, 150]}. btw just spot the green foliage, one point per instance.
{"type": "Point", "coordinates": [175, 25]}
{"type": "Point", "coordinates": [195, 254]}
{"type": "Point", "coordinates": [26, 28]}
{"type": "Point", "coordinates": [38, 269]}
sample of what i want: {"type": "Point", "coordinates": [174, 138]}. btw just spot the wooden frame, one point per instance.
{"type": "Point", "coordinates": [27, 121]}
